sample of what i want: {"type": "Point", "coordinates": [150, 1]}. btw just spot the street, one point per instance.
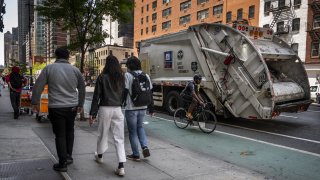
{"type": "Point", "coordinates": [287, 147]}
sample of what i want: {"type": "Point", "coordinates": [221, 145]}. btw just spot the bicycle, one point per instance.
{"type": "Point", "coordinates": [205, 118]}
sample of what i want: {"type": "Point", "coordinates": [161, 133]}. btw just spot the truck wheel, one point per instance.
{"type": "Point", "coordinates": [173, 101]}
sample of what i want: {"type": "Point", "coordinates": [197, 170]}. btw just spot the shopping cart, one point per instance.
{"type": "Point", "coordinates": [42, 115]}
{"type": "Point", "coordinates": [25, 100]}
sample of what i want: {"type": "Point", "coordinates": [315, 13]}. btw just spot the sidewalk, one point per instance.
{"type": "Point", "coordinates": [27, 151]}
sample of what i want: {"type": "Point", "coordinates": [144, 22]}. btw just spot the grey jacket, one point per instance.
{"type": "Point", "coordinates": [65, 84]}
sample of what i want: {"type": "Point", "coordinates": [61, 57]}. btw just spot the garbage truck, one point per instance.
{"type": "Point", "coordinates": [247, 71]}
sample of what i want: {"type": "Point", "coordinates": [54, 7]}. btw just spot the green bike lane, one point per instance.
{"type": "Point", "coordinates": [274, 161]}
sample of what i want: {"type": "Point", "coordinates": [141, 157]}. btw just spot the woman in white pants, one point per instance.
{"type": "Point", "coordinates": [106, 102]}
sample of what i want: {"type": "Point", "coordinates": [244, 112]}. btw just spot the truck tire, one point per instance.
{"type": "Point", "coordinates": [173, 101]}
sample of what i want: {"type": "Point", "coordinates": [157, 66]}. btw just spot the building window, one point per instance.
{"type": "Point", "coordinates": [229, 17]}
{"type": "Point", "coordinates": [165, 1]}
{"type": "Point", "coordinates": [251, 11]}
{"type": "Point", "coordinates": [147, 30]}
{"type": "Point", "coordinates": [203, 14]}
{"type": "Point", "coordinates": [141, 9]}
{"type": "Point", "coordinates": [280, 26]}
{"type": "Point", "coordinates": [185, 19]}
{"type": "Point", "coordinates": [154, 16]}
{"type": "Point", "coordinates": [166, 25]}
{"type": "Point", "coordinates": [141, 20]}
{"type": "Point", "coordinates": [154, 4]}
{"type": "Point", "coordinates": [316, 22]}
{"type": "Point", "coordinates": [267, 7]}
{"type": "Point", "coordinates": [266, 26]}
{"type": "Point", "coordinates": [185, 5]}
{"type": "Point", "coordinates": [296, 2]}
{"type": "Point", "coordinates": [166, 12]}
{"type": "Point", "coordinates": [141, 32]}
{"type": "Point", "coordinates": [154, 28]}
{"type": "Point", "coordinates": [217, 9]}
{"type": "Point", "coordinates": [281, 3]}
{"type": "Point", "coordinates": [202, 1]}
{"type": "Point", "coordinates": [296, 24]}
{"type": "Point", "coordinates": [315, 49]}
{"type": "Point", "coordinates": [239, 14]}
{"type": "Point", "coordinates": [147, 7]}
{"type": "Point", "coordinates": [147, 19]}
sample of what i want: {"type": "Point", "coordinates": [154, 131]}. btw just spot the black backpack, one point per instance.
{"type": "Point", "coordinates": [141, 90]}
{"type": "Point", "coordinates": [16, 80]}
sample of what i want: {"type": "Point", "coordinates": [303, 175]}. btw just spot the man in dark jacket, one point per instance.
{"type": "Point", "coordinates": [66, 98]}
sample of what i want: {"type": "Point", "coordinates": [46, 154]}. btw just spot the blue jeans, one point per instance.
{"type": "Point", "coordinates": [134, 120]}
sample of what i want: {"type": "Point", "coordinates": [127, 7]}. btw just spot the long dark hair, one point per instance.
{"type": "Point", "coordinates": [113, 69]}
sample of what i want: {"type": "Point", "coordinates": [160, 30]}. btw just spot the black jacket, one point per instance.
{"type": "Point", "coordinates": [105, 95]}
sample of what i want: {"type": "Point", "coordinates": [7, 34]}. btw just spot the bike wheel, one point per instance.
{"type": "Point", "coordinates": [207, 121]}
{"type": "Point", "coordinates": [180, 118]}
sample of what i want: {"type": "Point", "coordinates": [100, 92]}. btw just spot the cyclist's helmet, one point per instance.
{"type": "Point", "coordinates": [197, 77]}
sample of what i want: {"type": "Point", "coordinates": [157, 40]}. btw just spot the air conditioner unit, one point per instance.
{"type": "Point", "coordinates": [184, 25]}
{"type": "Point", "coordinates": [202, 20]}
{"type": "Point", "coordinates": [154, 21]}
{"type": "Point", "coordinates": [185, 10]}
{"type": "Point", "coordinates": [218, 15]}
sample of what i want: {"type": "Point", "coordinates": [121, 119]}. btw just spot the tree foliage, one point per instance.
{"type": "Point", "coordinates": [85, 17]}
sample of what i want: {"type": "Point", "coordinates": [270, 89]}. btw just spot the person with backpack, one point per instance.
{"type": "Point", "coordinates": [15, 83]}
{"type": "Point", "coordinates": [106, 103]}
{"type": "Point", "coordinates": [137, 97]}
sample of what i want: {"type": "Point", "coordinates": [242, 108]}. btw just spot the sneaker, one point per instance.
{"type": "Point", "coordinates": [60, 167]}
{"type": "Point", "coordinates": [133, 158]}
{"type": "Point", "coordinates": [69, 160]}
{"type": "Point", "coordinates": [119, 172]}
{"type": "Point", "coordinates": [98, 160]}
{"type": "Point", "coordinates": [145, 152]}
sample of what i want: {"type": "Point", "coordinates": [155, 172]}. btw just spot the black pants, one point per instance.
{"type": "Point", "coordinates": [15, 101]}
{"type": "Point", "coordinates": [62, 120]}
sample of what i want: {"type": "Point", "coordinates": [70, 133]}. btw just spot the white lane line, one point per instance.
{"type": "Point", "coordinates": [289, 116]}
{"type": "Point", "coordinates": [255, 140]}
{"type": "Point", "coordinates": [313, 111]}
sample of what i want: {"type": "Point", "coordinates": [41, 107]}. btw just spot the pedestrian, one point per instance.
{"type": "Point", "coordinates": [106, 102]}
{"type": "Point", "coordinates": [2, 83]}
{"type": "Point", "coordinates": [15, 83]}
{"type": "Point", "coordinates": [66, 95]}
{"type": "Point", "coordinates": [136, 104]}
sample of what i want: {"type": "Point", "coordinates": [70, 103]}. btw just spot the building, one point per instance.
{"type": "Point", "coordinates": [11, 52]}
{"type": "Point", "coordinates": [159, 17]}
{"type": "Point", "coordinates": [312, 61]}
{"type": "Point", "coordinates": [7, 48]}
{"type": "Point", "coordinates": [39, 33]}
{"type": "Point", "coordinates": [25, 17]}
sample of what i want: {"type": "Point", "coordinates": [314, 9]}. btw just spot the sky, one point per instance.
{"type": "Point", "coordinates": [10, 19]}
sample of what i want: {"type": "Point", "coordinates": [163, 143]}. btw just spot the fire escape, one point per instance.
{"type": "Point", "coordinates": [283, 14]}
{"type": "Point", "coordinates": [314, 27]}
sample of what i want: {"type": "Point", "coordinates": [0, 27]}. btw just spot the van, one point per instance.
{"type": "Point", "coordinates": [315, 93]}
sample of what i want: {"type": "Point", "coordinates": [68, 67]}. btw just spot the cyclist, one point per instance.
{"type": "Point", "coordinates": [191, 93]}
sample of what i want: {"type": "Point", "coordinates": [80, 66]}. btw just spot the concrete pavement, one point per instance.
{"type": "Point", "coordinates": [27, 151]}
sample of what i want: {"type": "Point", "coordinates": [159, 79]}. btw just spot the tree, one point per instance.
{"type": "Point", "coordinates": [85, 18]}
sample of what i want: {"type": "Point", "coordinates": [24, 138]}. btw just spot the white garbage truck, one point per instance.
{"type": "Point", "coordinates": [247, 71]}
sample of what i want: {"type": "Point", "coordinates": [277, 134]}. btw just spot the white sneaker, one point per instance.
{"type": "Point", "coordinates": [98, 160]}
{"type": "Point", "coordinates": [119, 172]}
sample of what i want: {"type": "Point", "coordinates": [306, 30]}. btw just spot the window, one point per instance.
{"type": "Point", "coordinates": [202, 1]}
{"type": "Point", "coordinates": [266, 26]}
{"type": "Point", "coordinates": [147, 7]}
{"type": "Point", "coordinates": [316, 22]}
{"type": "Point", "coordinates": [267, 6]}
{"type": "Point", "coordinates": [141, 32]}
{"type": "Point", "coordinates": [315, 49]}
{"type": "Point", "coordinates": [154, 4]}
{"type": "Point", "coordinates": [141, 9]}
{"type": "Point", "coordinates": [166, 25]}
{"type": "Point", "coordinates": [141, 20]}
{"type": "Point", "coordinates": [296, 2]}
{"type": "Point", "coordinates": [251, 11]}
{"type": "Point", "coordinates": [185, 19]}
{"type": "Point", "coordinates": [147, 30]}
{"type": "Point", "coordinates": [154, 16]}
{"type": "Point", "coordinates": [166, 12]}
{"type": "Point", "coordinates": [296, 24]}
{"type": "Point", "coordinates": [147, 19]}
{"type": "Point", "coordinates": [280, 26]}
{"type": "Point", "coordinates": [165, 1]}
{"type": "Point", "coordinates": [295, 47]}
{"type": "Point", "coordinates": [185, 5]}
{"type": "Point", "coordinates": [281, 3]}
{"type": "Point", "coordinates": [154, 28]}
{"type": "Point", "coordinates": [217, 9]}
{"type": "Point", "coordinates": [229, 17]}
{"type": "Point", "coordinates": [202, 14]}
{"type": "Point", "coordinates": [239, 14]}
